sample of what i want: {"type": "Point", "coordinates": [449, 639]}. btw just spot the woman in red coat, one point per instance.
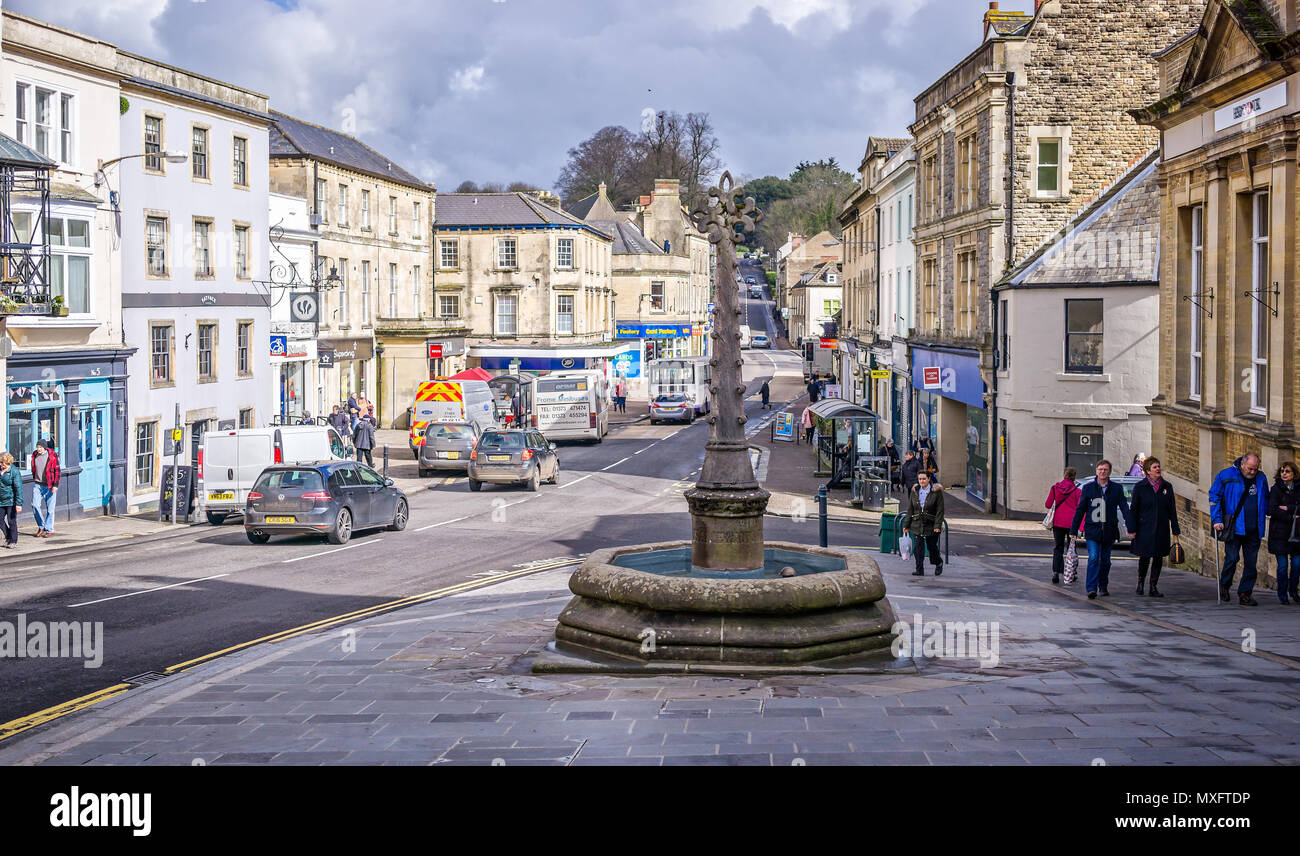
{"type": "Point", "coordinates": [1065, 496]}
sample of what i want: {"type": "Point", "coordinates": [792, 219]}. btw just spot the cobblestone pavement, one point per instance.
{"type": "Point", "coordinates": [1126, 680]}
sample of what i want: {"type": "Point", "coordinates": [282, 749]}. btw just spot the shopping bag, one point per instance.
{"type": "Point", "coordinates": [1071, 563]}
{"type": "Point", "coordinates": [1049, 516]}
{"type": "Point", "coordinates": [905, 546]}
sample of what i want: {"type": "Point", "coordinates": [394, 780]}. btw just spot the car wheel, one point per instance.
{"type": "Point", "coordinates": [536, 480]}
{"type": "Point", "coordinates": [654, 421]}
{"type": "Point", "coordinates": [399, 519]}
{"type": "Point", "coordinates": [257, 537]}
{"type": "Point", "coordinates": [475, 484]}
{"type": "Point", "coordinates": [342, 530]}
{"type": "Point", "coordinates": [555, 474]}
{"type": "Point", "coordinates": [216, 518]}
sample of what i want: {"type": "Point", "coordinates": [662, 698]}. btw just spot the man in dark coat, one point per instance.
{"type": "Point", "coordinates": [766, 393]}
{"type": "Point", "coordinates": [1154, 517]}
{"type": "Point", "coordinates": [911, 466]}
{"type": "Point", "coordinates": [363, 438]}
{"type": "Point", "coordinates": [1101, 509]}
{"type": "Point", "coordinates": [814, 391]}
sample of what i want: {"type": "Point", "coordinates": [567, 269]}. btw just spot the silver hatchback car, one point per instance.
{"type": "Point", "coordinates": [513, 456]}
{"type": "Point", "coordinates": [447, 446]}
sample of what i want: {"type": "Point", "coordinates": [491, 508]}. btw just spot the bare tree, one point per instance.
{"type": "Point", "coordinates": [467, 187]}
{"type": "Point", "coordinates": [607, 156]}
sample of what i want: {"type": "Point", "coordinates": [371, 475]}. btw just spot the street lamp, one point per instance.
{"type": "Point", "coordinates": [170, 157]}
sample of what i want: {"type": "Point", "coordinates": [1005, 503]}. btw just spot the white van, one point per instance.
{"type": "Point", "coordinates": [451, 401]}
{"type": "Point", "coordinates": [230, 461]}
{"type": "Point", "coordinates": [572, 405]}
{"type": "Point", "coordinates": [745, 336]}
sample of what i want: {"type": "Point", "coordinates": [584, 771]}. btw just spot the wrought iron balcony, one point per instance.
{"type": "Point", "coordinates": [24, 241]}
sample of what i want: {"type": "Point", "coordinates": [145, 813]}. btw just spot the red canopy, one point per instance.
{"type": "Point", "coordinates": [472, 374]}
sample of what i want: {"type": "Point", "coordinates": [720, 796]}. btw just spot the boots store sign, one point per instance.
{"type": "Point", "coordinates": [1250, 107]}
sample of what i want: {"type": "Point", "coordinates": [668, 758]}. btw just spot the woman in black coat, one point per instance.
{"type": "Point", "coordinates": [1283, 505]}
{"type": "Point", "coordinates": [1155, 517]}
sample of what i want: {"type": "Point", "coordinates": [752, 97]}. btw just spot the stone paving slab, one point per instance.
{"type": "Point", "coordinates": [1129, 682]}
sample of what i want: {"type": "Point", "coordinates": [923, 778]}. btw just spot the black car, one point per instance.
{"type": "Point", "coordinates": [330, 498]}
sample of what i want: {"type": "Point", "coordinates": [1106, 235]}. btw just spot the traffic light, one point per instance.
{"type": "Point", "coordinates": [809, 351]}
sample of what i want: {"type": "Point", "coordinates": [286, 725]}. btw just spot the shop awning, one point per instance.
{"type": "Point", "coordinates": [838, 408]}
{"type": "Point", "coordinates": [472, 374]}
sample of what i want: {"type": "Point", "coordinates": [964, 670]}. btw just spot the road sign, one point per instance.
{"type": "Point", "coordinates": [279, 346]}
{"type": "Point", "coordinates": [931, 377]}
{"type": "Point", "coordinates": [303, 307]}
{"type": "Point", "coordinates": [178, 434]}
{"type": "Point", "coordinates": [435, 351]}
{"type": "Point", "coordinates": [711, 305]}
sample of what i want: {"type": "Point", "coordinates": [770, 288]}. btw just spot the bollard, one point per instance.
{"type": "Point", "coordinates": [385, 460]}
{"type": "Point", "coordinates": [821, 512]}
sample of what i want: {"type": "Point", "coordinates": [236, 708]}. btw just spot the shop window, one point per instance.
{"type": "Point", "coordinates": [35, 413]}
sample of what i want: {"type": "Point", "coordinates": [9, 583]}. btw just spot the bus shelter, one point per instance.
{"type": "Point", "coordinates": [847, 436]}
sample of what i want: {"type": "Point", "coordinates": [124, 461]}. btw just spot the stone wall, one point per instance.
{"type": "Point", "coordinates": [1182, 448]}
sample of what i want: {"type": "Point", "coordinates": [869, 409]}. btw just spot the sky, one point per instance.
{"type": "Point", "coordinates": [500, 90]}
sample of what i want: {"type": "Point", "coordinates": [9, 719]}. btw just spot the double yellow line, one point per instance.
{"type": "Point", "coordinates": [32, 720]}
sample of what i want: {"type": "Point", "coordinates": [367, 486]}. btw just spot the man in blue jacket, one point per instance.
{"type": "Point", "coordinates": [1101, 508]}
{"type": "Point", "coordinates": [1239, 503]}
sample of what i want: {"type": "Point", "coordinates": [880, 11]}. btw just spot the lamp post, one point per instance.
{"type": "Point", "coordinates": [170, 157]}
{"type": "Point", "coordinates": [727, 503]}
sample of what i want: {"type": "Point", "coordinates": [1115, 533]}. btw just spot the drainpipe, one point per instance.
{"type": "Point", "coordinates": [995, 427]}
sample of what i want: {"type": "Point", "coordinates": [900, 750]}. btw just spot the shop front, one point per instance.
{"type": "Point", "coordinates": [652, 342]}
{"type": "Point", "coordinates": [293, 362]}
{"type": "Point", "coordinates": [900, 416]}
{"type": "Point", "coordinates": [352, 370]}
{"type": "Point", "coordinates": [75, 400]}
{"type": "Point", "coordinates": [951, 413]}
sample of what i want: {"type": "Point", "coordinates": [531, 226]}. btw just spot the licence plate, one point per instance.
{"type": "Point", "coordinates": [220, 495]}
{"type": "Point", "coordinates": [281, 520]}
{"type": "Point", "coordinates": [499, 459]}
{"type": "Point", "coordinates": [452, 455]}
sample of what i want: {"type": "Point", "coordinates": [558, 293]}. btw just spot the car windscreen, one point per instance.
{"type": "Point", "coordinates": [303, 480]}
{"type": "Point", "coordinates": [445, 431]}
{"type": "Point", "coordinates": [670, 399]}
{"type": "Point", "coordinates": [495, 441]}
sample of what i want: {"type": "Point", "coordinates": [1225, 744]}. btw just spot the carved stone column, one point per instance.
{"type": "Point", "coordinates": [727, 504]}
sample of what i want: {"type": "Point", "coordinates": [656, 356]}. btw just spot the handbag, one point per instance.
{"type": "Point", "coordinates": [1177, 555]}
{"type": "Point", "coordinates": [1071, 563]}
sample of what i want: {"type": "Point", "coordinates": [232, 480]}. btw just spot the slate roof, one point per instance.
{"type": "Point", "coordinates": [627, 237]}
{"type": "Point", "coordinates": [817, 276]}
{"type": "Point", "coordinates": [294, 138]}
{"type": "Point", "coordinates": [1114, 240]}
{"type": "Point", "coordinates": [500, 209]}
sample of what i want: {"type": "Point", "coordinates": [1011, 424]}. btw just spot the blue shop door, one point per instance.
{"type": "Point", "coordinates": [94, 440]}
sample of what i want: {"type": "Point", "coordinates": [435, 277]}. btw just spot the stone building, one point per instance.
{"type": "Point", "coordinates": [799, 255]}
{"type": "Point", "coordinates": [661, 288]}
{"type": "Point", "coordinates": [815, 302]}
{"type": "Point", "coordinates": [373, 221]}
{"type": "Point", "coordinates": [1078, 343]}
{"type": "Point", "coordinates": [530, 283]}
{"type": "Point", "coordinates": [1228, 114]}
{"type": "Point", "coordinates": [1009, 144]}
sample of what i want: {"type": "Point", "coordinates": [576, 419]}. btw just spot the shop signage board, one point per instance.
{"type": "Point", "coordinates": [784, 427]}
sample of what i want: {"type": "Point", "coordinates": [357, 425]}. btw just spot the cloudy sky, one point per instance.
{"type": "Point", "coordinates": [499, 90]}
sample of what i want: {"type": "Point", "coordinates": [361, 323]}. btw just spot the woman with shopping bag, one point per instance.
{"type": "Point", "coordinates": [1155, 520]}
{"type": "Point", "coordinates": [925, 522]}
{"type": "Point", "coordinates": [1062, 502]}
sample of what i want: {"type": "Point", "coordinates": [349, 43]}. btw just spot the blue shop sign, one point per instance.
{"type": "Point", "coordinates": [651, 331]}
{"type": "Point", "coordinates": [539, 364]}
{"type": "Point", "coordinates": [958, 375]}
{"type": "Point", "coordinates": [628, 364]}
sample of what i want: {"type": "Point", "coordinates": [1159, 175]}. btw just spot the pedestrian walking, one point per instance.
{"type": "Point", "coordinates": [45, 476]}
{"type": "Point", "coordinates": [807, 422]}
{"type": "Point", "coordinates": [910, 469]}
{"type": "Point", "coordinates": [1063, 500]}
{"type": "Point", "coordinates": [354, 410]}
{"type": "Point", "coordinates": [930, 464]}
{"type": "Point", "coordinates": [766, 393]}
{"type": "Point", "coordinates": [920, 444]}
{"type": "Point", "coordinates": [1238, 509]}
{"type": "Point", "coordinates": [814, 392]}
{"type": "Point", "coordinates": [1102, 508]}
{"type": "Point", "coordinates": [11, 499]}
{"type": "Point", "coordinates": [1136, 470]}
{"type": "Point", "coordinates": [924, 522]}
{"type": "Point", "coordinates": [1155, 523]}
{"type": "Point", "coordinates": [363, 439]}
{"type": "Point", "coordinates": [1284, 531]}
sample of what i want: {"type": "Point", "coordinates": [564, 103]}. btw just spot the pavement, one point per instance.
{"type": "Point", "coordinates": [89, 532]}
{"type": "Point", "coordinates": [1119, 681]}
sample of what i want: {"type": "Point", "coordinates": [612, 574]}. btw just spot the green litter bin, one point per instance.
{"type": "Point", "coordinates": [888, 539]}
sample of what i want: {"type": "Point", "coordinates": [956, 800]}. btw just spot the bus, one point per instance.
{"type": "Point", "coordinates": [572, 405]}
{"type": "Point", "coordinates": [687, 375]}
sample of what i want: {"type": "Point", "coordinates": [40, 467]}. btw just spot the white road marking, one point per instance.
{"type": "Point", "coordinates": [335, 550]}
{"type": "Point", "coordinates": [615, 464]}
{"type": "Point", "coordinates": [575, 481]}
{"type": "Point", "coordinates": [443, 523]}
{"type": "Point", "coordinates": [146, 591]}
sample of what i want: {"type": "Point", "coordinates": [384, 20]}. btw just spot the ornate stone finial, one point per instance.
{"type": "Point", "coordinates": [725, 212]}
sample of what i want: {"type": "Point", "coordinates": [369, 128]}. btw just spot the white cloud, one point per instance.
{"type": "Point", "coordinates": [467, 80]}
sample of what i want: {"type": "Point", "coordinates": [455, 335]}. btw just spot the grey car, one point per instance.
{"type": "Point", "coordinates": [330, 498]}
{"type": "Point", "coordinates": [446, 447]}
{"type": "Point", "coordinates": [513, 456]}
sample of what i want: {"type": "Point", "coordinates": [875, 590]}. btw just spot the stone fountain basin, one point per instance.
{"type": "Point", "coordinates": [646, 608]}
